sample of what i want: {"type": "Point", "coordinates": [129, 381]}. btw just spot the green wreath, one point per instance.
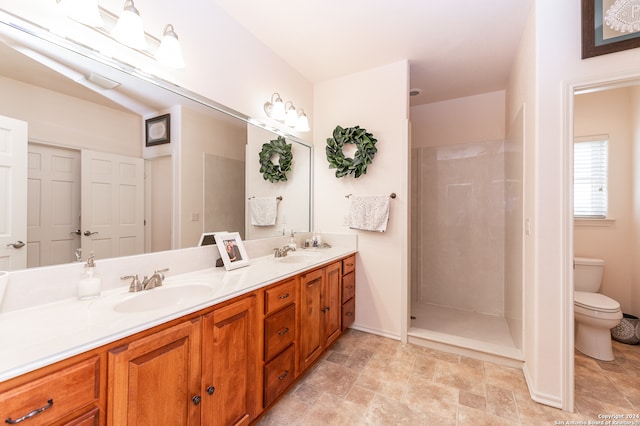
{"type": "Point", "coordinates": [365, 151]}
{"type": "Point", "coordinates": [271, 171]}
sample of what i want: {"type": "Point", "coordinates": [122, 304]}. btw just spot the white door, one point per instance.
{"type": "Point", "coordinates": [112, 205]}
{"type": "Point", "coordinates": [13, 193]}
{"type": "Point", "coordinates": [53, 218]}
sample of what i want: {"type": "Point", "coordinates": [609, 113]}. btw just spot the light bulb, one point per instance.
{"type": "Point", "coordinates": [170, 53]}
{"type": "Point", "coordinates": [129, 29]}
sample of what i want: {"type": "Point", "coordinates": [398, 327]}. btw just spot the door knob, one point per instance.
{"type": "Point", "coordinates": [16, 245]}
{"type": "Point", "coordinates": [77, 232]}
{"type": "Point", "coordinates": [88, 233]}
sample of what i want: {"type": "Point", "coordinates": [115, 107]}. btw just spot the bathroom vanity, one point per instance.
{"type": "Point", "coordinates": [208, 347]}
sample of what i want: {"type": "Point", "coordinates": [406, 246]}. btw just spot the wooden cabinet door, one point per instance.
{"type": "Point", "coordinates": [153, 380]}
{"type": "Point", "coordinates": [331, 303]}
{"type": "Point", "coordinates": [229, 364]}
{"type": "Point", "coordinates": [311, 325]}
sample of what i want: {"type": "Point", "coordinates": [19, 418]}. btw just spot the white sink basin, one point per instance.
{"type": "Point", "coordinates": [298, 257]}
{"type": "Point", "coordinates": [162, 297]}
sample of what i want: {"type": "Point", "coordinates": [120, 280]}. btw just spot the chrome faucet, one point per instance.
{"type": "Point", "coordinates": [282, 252]}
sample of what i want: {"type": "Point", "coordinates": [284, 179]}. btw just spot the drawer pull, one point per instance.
{"type": "Point", "coordinates": [283, 331]}
{"type": "Point", "coordinates": [284, 296]}
{"type": "Point", "coordinates": [348, 314]}
{"type": "Point", "coordinates": [350, 286]}
{"type": "Point", "coordinates": [283, 375]}
{"type": "Point", "coordinates": [325, 309]}
{"type": "Point", "coordinates": [31, 414]}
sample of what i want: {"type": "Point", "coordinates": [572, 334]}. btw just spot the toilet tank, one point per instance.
{"type": "Point", "coordinates": [587, 274]}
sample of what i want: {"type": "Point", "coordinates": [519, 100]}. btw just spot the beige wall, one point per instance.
{"type": "Point", "coordinates": [471, 119]}
{"type": "Point", "coordinates": [610, 113]}
{"type": "Point", "coordinates": [377, 101]}
{"type": "Point", "coordinates": [202, 134]}
{"type": "Point", "coordinates": [635, 273]}
{"type": "Point", "coordinates": [63, 120]}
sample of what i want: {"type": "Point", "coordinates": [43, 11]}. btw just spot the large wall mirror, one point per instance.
{"type": "Point", "coordinates": [81, 170]}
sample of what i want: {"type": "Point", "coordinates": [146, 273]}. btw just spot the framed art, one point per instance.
{"type": "Point", "coordinates": [609, 26]}
{"type": "Point", "coordinates": [231, 250]}
{"type": "Point", "coordinates": [158, 130]}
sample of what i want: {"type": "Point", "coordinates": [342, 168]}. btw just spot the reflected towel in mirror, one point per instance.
{"type": "Point", "coordinates": [263, 211]}
{"type": "Point", "coordinates": [369, 212]}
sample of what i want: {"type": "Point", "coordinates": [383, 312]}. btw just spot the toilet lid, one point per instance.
{"type": "Point", "coordinates": [595, 301]}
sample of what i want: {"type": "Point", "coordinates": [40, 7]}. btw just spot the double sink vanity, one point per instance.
{"type": "Point", "coordinates": [209, 346]}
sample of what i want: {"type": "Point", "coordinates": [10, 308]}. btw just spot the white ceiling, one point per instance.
{"type": "Point", "coordinates": [455, 48]}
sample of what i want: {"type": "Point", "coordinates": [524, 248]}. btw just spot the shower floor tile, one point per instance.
{"type": "Point", "coordinates": [491, 329]}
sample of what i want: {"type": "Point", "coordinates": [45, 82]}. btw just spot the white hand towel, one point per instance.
{"type": "Point", "coordinates": [263, 211]}
{"type": "Point", "coordinates": [369, 213]}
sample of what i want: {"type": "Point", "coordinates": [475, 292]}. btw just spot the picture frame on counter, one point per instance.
{"type": "Point", "coordinates": [232, 251]}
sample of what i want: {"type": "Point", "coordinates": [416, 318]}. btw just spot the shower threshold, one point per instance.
{"type": "Point", "coordinates": [469, 333]}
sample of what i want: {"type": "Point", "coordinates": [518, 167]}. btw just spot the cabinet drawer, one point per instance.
{"type": "Point", "coordinates": [349, 264]}
{"type": "Point", "coordinates": [279, 296]}
{"type": "Point", "coordinates": [279, 331]}
{"type": "Point", "coordinates": [278, 375]}
{"type": "Point", "coordinates": [348, 313]}
{"type": "Point", "coordinates": [348, 286]}
{"type": "Point", "coordinates": [54, 396]}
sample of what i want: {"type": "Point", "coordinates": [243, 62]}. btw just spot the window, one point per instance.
{"type": "Point", "coordinates": [590, 163]}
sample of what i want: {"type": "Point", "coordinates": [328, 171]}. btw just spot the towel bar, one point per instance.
{"type": "Point", "coordinates": [392, 195]}
{"type": "Point", "coordinates": [279, 198]}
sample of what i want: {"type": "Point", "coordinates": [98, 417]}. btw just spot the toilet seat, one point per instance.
{"type": "Point", "coordinates": [595, 301]}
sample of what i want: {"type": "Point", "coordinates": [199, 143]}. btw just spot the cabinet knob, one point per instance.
{"type": "Point", "coordinates": [196, 399]}
{"type": "Point", "coordinates": [283, 375]}
{"type": "Point", "coordinates": [210, 390]}
{"type": "Point", "coordinates": [283, 331]}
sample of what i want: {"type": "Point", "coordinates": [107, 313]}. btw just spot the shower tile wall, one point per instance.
{"type": "Point", "coordinates": [459, 225]}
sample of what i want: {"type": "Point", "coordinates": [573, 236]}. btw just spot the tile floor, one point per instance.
{"type": "Point", "coordinates": [371, 380]}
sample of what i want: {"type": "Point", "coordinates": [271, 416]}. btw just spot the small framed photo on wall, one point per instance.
{"type": "Point", "coordinates": [158, 130]}
{"type": "Point", "coordinates": [231, 250]}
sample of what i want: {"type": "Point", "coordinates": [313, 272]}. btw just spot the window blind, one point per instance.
{"type": "Point", "coordinates": [590, 163]}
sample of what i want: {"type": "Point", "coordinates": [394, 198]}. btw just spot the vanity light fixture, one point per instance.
{"type": "Point", "coordinates": [170, 53]}
{"type": "Point", "coordinates": [84, 11]}
{"type": "Point", "coordinates": [129, 29]}
{"type": "Point", "coordinates": [291, 117]}
{"type": "Point", "coordinates": [286, 113]}
{"type": "Point", "coordinates": [275, 108]}
{"type": "Point", "coordinates": [302, 124]}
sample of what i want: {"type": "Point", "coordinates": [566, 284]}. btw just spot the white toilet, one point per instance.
{"type": "Point", "coordinates": [595, 313]}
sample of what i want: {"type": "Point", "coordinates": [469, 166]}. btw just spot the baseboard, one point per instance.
{"type": "Point", "coordinates": [369, 330]}
{"type": "Point", "coordinates": [541, 398]}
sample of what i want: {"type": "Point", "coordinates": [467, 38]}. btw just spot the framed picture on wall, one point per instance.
{"type": "Point", "coordinates": [609, 26]}
{"type": "Point", "coordinates": [158, 130]}
{"type": "Point", "coordinates": [231, 250]}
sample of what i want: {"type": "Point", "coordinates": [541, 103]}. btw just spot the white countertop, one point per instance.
{"type": "Point", "coordinates": [42, 335]}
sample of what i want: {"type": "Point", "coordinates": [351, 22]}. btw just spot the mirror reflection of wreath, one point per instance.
{"type": "Point", "coordinates": [365, 151]}
{"type": "Point", "coordinates": [271, 171]}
